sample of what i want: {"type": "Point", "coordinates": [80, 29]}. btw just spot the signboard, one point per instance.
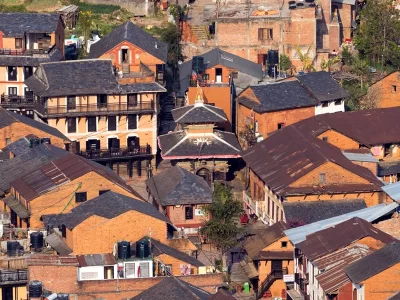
{"type": "Point", "coordinates": [288, 278]}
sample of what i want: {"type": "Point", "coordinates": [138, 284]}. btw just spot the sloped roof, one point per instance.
{"type": "Point", "coordinates": [255, 244]}
{"type": "Point", "coordinates": [58, 244]}
{"type": "Point", "coordinates": [367, 127]}
{"type": "Point", "coordinates": [159, 248]}
{"type": "Point", "coordinates": [338, 236]}
{"type": "Point", "coordinates": [289, 154]}
{"type": "Point", "coordinates": [7, 118]}
{"type": "Point", "coordinates": [278, 96]}
{"type": "Point", "coordinates": [60, 171]}
{"type": "Point", "coordinates": [133, 34]}
{"type": "Point", "coordinates": [198, 113]}
{"type": "Point", "coordinates": [219, 144]}
{"type": "Point", "coordinates": [322, 86]}
{"type": "Point", "coordinates": [63, 78]}
{"type": "Point", "coordinates": [172, 288]}
{"type": "Point", "coordinates": [320, 210]}
{"type": "Point", "coordinates": [17, 24]}
{"type": "Point", "coordinates": [395, 296]}
{"type": "Point", "coordinates": [108, 205]}
{"type": "Point", "coordinates": [27, 162]}
{"type": "Point", "coordinates": [176, 186]}
{"type": "Point", "coordinates": [215, 57]}
{"type": "Point", "coordinates": [31, 61]}
{"type": "Point", "coordinates": [388, 168]}
{"type": "Point", "coordinates": [96, 260]}
{"type": "Point", "coordinates": [221, 295]}
{"type": "Point", "coordinates": [374, 263]}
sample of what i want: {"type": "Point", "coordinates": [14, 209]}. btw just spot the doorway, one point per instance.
{"type": "Point", "coordinates": [124, 56]}
{"type": "Point", "coordinates": [92, 145]}
{"type": "Point", "coordinates": [276, 265]}
{"type": "Point", "coordinates": [7, 293]}
{"type": "Point", "coordinates": [206, 174]}
{"type": "Point", "coordinates": [218, 75]}
{"type": "Point", "coordinates": [133, 142]}
{"type": "Point", "coordinates": [113, 143]}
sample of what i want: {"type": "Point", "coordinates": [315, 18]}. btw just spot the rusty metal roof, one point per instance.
{"type": "Point", "coordinates": [52, 260]}
{"type": "Point", "coordinates": [332, 266]}
{"type": "Point", "coordinates": [290, 154]}
{"type": "Point", "coordinates": [367, 127]}
{"type": "Point", "coordinates": [96, 260]}
{"type": "Point", "coordinates": [341, 235]}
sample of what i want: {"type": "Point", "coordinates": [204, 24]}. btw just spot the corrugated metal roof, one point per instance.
{"type": "Point", "coordinates": [393, 190]}
{"type": "Point", "coordinates": [96, 260]}
{"type": "Point", "coordinates": [332, 266]}
{"type": "Point", "coordinates": [297, 235]}
{"type": "Point", "coordinates": [360, 157]}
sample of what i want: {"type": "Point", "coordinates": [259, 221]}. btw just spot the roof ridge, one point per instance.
{"type": "Point", "coordinates": [208, 107]}
{"type": "Point", "coordinates": [177, 144]}
{"type": "Point", "coordinates": [223, 141]}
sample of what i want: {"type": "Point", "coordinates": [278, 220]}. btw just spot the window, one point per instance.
{"type": "Point", "coordinates": [18, 43]}
{"type": "Point", "coordinates": [71, 102]}
{"type": "Point", "coordinates": [80, 197]}
{"type": "Point", "coordinates": [338, 102]}
{"type": "Point", "coordinates": [92, 124]}
{"type": "Point", "coordinates": [8, 141]}
{"type": "Point", "coordinates": [325, 138]}
{"type": "Point", "coordinates": [322, 178]}
{"type": "Point", "coordinates": [265, 34]}
{"type": "Point", "coordinates": [325, 104]}
{"type": "Point", "coordinates": [71, 125]}
{"type": "Point", "coordinates": [132, 100]}
{"type": "Point", "coordinates": [132, 122]}
{"type": "Point", "coordinates": [394, 88]}
{"type": "Point", "coordinates": [168, 269]}
{"type": "Point", "coordinates": [102, 101]}
{"type": "Point", "coordinates": [112, 123]}
{"type": "Point", "coordinates": [28, 71]}
{"type": "Point", "coordinates": [189, 213]}
{"type": "Point", "coordinates": [281, 125]}
{"type": "Point", "coordinates": [12, 91]}
{"type": "Point", "coordinates": [235, 75]}
{"type": "Point", "coordinates": [103, 192]}
{"type": "Point", "coordinates": [12, 73]}
{"type": "Point", "coordinates": [283, 244]}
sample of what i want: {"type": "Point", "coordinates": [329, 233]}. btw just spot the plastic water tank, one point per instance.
{"type": "Point", "coordinates": [13, 248]}
{"type": "Point", "coordinates": [142, 249]}
{"type": "Point", "coordinates": [273, 57]}
{"type": "Point", "coordinates": [35, 289]}
{"type": "Point", "coordinates": [36, 240]}
{"type": "Point", "coordinates": [124, 250]}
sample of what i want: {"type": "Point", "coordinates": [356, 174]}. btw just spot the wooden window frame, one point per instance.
{"type": "Point", "coordinates": [80, 197]}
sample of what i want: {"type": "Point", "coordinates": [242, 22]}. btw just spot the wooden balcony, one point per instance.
{"type": "Point", "coordinates": [100, 109]}
{"type": "Point", "coordinates": [116, 153]}
{"type": "Point", "coordinates": [13, 276]}
{"type": "Point", "coordinates": [21, 102]}
{"type": "Point", "coordinates": [24, 52]}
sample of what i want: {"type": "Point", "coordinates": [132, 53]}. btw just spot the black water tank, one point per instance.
{"type": "Point", "coordinates": [62, 297]}
{"type": "Point", "coordinates": [198, 64]}
{"type": "Point", "coordinates": [273, 58]}
{"type": "Point", "coordinates": [13, 248]}
{"type": "Point", "coordinates": [142, 249]}
{"type": "Point", "coordinates": [37, 240]}
{"type": "Point", "coordinates": [35, 289]}
{"type": "Point", "coordinates": [124, 250]}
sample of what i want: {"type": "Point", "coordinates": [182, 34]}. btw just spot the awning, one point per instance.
{"type": "Point", "coordinates": [16, 207]}
{"type": "Point", "coordinates": [58, 244]}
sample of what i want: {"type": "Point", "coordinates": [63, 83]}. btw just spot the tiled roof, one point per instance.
{"type": "Point", "coordinates": [176, 186]}
{"type": "Point", "coordinates": [338, 236]}
{"type": "Point", "coordinates": [219, 144]}
{"type": "Point", "coordinates": [142, 87]}
{"type": "Point", "coordinates": [322, 86]}
{"type": "Point", "coordinates": [222, 295]}
{"type": "Point", "coordinates": [7, 118]}
{"type": "Point", "coordinates": [17, 24]}
{"type": "Point", "coordinates": [278, 96]}
{"type": "Point", "coordinates": [321, 210]}
{"type": "Point", "coordinates": [133, 34]}
{"type": "Point", "coordinates": [374, 263]}
{"type": "Point", "coordinates": [108, 205]}
{"type": "Point", "coordinates": [172, 288]}
{"type": "Point", "coordinates": [289, 154]}
{"type": "Point", "coordinates": [30, 61]}
{"type": "Point", "coordinates": [199, 113]}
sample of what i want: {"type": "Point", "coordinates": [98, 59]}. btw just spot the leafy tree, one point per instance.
{"type": "Point", "coordinates": [346, 56]}
{"type": "Point", "coordinates": [85, 22]}
{"type": "Point", "coordinates": [284, 62]}
{"type": "Point", "coordinates": [171, 36]}
{"type": "Point", "coordinates": [221, 229]}
{"type": "Point", "coordinates": [361, 68]}
{"type": "Point", "coordinates": [327, 64]}
{"type": "Point", "coordinates": [379, 29]}
{"type": "Point", "coordinates": [305, 58]}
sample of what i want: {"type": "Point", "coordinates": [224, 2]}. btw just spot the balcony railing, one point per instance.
{"type": "Point", "coordinates": [23, 52]}
{"type": "Point", "coordinates": [99, 109]}
{"type": "Point", "coordinates": [14, 100]}
{"type": "Point", "coordinates": [104, 154]}
{"type": "Point", "coordinates": [13, 276]}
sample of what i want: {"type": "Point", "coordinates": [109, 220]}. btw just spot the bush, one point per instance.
{"type": "Point", "coordinates": [98, 8]}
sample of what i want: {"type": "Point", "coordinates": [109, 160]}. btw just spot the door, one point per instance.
{"type": "Point", "coordinates": [132, 100]}
{"type": "Point", "coordinates": [206, 174]}
{"type": "Point", "coordinates": [12, 94]}
{"type": "Point", "coordinates": [7, 293]}
{"type": "Point", "coordinates": [218, 75]}
{"type": "Point", "coordinates": [124, 56]}
{"type": "Point", "coordinates": [13, 218]}
{"type": "Point", "coordinates": [276, 265]}
{"type": "Point", "coordinates": [92, 145]}
{"type": "Point", "coordinates": [133, 142]}
{"type": "Point", "coordinates": [28, 95]}
{"type": "Point", "coordinates": [113, 143]}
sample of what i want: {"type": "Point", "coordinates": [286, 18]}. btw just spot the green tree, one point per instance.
{"type": "Point", "coordinates": [379, 29]}
{"type": "Point", "coordinates": [171, 36]}
{"type": "Point", "coordinates": [327, 64]}
{"type": "Point", "coordinates": [86, 23]}
{"type": "Point", "coordinates": [221, 229]}
{"type": "Point", "coordinates": [284, 63]}
{"type": "Point", "coordinates": [306, 59]}
{"type": "Point", "coordinates": [361, 68]}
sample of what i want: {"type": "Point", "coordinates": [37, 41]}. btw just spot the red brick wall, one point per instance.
{"type": "Point", "coordinates": [345, 292]}
{"type": "Point", "coordinates": [177, 216]}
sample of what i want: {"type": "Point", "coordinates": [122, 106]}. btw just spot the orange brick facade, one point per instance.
{"type": "Point", "coordinates": [386, 91]}
{"type": "Point", "coordinates": [178, 218]}
{"type": "Point", "coordinates": [339, 140]}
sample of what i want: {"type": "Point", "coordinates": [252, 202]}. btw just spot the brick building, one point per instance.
{"type": "Point", "coordinates": [198, 147]}
{"type": "Point", "coordinates": [181, 195]}
{"type": "Point", "coordinates": [262, 109]}
{"type": "Point", "coordinates": [26, 40]}
{"type": "Point", "coordinates": [221, 75]}
{"type": "Point", "coordinates": [294, 166]}
{"type": "Point", "coordinates": [58, 186]}
{"type": "Point", "coordinates": [272, 254]}
{"type": "Point", "coordinates": [14, 127]}
{"type": "Point", "coordinates": [385, 92]}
